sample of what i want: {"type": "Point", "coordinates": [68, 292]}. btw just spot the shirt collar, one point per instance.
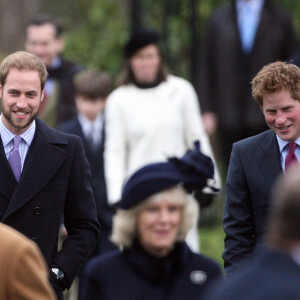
{"type": "Point", "coordinates": [256, 5]}
{"type": "Point", "coordinates": [87, 124]}
{"type": "Point", "coordinates": [7, 135]}
{"type": "Point", "coordinates": [283, 143]}
{"type": "Point", "coordinates": [296, 254]}
{"type": "Point", "coordinates": [56, 63]}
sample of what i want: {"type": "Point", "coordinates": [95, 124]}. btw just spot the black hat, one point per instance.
{"type": "Point", "coordinates": [140, 39]}
{"type": "Point", "coordinates": [192, 171]}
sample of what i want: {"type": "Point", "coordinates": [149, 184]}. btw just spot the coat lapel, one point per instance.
{"type": "Point", "coordinates": [39, 166]}
{"type": "Point", "coordinates": [7, 178]}
{"type": "Point", "coordinates": [270, 159]}
{"type": "Point", "coordinates": [262, 28]}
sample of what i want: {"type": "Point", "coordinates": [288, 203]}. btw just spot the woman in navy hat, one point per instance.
{"type": "Point", "coordinates": [155, 214]}
{"type": "Point", "coordinates": [150, 116]}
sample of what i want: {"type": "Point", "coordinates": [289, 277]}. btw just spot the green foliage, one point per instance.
{"type": "Point", "coordinates": [212, 242]}
{"type": "Point", "coordinates": [97, 30]}
{"type": "Point", "coordinates": [97, 37]}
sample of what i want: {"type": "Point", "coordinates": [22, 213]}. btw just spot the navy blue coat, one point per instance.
{"type": "Point", "coordinates": [134, 274]}
{"type": "Point", "coordinates": [95, 160]}
{"type": "Point", "coordinates": [271, 276]}
{"type": "Point", "coordinates": [54, 183]}
{"type": "Point", "coordinates": [253, 168]}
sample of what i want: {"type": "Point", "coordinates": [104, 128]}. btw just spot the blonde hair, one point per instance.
{"type": "Point", "coordinates": [125, 221]}
{"type": "Point", "coordinates": [276, 77]}
{"type": "Point", "coordinates": [22, 60]}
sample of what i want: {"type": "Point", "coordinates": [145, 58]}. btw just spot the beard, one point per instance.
{"type": "Point", "coordinates": [18, 124]}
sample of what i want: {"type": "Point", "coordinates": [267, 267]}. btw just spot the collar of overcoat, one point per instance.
{"type": "Point", "coordinates": [44, 158]}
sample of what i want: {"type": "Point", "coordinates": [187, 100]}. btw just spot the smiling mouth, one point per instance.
{"type": "Point", "coordinates": [284, 127]}
{"type": "Point", "coordinates": [19, 113]}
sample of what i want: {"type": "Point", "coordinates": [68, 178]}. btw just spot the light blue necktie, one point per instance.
{"type": "Point", "coordinates": [248, 28]}
{"type": "Point", "coordinates": [15, 158]}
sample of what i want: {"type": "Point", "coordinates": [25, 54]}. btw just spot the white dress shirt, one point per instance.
{"type": "Point", "coordinates": [92, 128]}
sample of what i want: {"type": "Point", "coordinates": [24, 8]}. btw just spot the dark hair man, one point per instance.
{"type": "Point", "coordinates": [44, 38]}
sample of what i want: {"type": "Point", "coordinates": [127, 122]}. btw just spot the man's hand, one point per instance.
{"type": "Point", "coordinates": [210, 122]}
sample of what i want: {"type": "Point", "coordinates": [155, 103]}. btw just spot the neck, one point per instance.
{"type": "Point", "coordinates": [147, 85]}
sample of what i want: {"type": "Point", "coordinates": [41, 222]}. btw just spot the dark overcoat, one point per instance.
{"type": "Point", "coordinates": [54, 183]}
{"type": "Point", "coordinates": [272, 275]}
{"type": "Point", "coordinates": [134, 274]}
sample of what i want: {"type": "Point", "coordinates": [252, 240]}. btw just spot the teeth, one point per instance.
{"type": "Point", "coordinates": [20, 113]}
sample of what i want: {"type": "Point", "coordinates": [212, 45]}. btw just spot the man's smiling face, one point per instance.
{"type": "Point", "coordinates": [282, 114]}
{"type": "Point", "coordinates": [21, 97]}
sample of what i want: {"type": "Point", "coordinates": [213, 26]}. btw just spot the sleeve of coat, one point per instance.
{"type": "Point", "coordinates": [194, 129]}
{"type": "Point", "coordinates": [115, 149]}
{"type": "Point", "coordinates": [237, 220]}
{"type": "Point", "coordinates": [80, 216]}
{"type": "Point", "coordinates": [28, 274]}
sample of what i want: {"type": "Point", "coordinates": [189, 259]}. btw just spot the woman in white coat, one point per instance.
{"type": "Point", "coordinates": [152, 115]}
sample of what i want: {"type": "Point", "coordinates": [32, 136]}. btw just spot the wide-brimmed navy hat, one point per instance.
{"type": "Point", "coordinates": [192, 171]}
{"type": "Point", "coordinates": [139, 40]}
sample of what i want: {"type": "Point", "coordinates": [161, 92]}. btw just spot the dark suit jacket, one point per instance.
{"type": "Point", "coordinates": [271, 276]}
{"type": "Point", "coordinates": [95, 159]}
{"type": "Point", "coordinates": [226, 72]}
{"type": "Point", "coordinates": [54, 182]}
{"type": "Point", "coordinates": [64, 75]}
{"type": "Point", "coordinates": [254, 166]}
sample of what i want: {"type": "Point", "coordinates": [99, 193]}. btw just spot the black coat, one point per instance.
{"type": "Point", "coordinates": [54, 183]}
{"type": "Point", "coordinates": [134, 274]}
{"type": "Point", "coordinates": [64, 76]}
{"type": "Point", "coordinates": [271, 276]}
{"type": "Point", "coordinates": [253, 168]}
{"type": "Point", "coordinates": [226, 71]}
{"type": "Point", "coordinates": [95, 159]}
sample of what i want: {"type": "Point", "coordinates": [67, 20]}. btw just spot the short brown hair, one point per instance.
{"type": "Point", "coordinates": [43, 19]}
{"type": "Point", "coordinates": [276, 77]}
{"type": "Point", "coordinates": [92, 84]}
{"type": "Point", "coordinates": [22, 60]}
{"type": "Point", "coordinates": [284, 221]}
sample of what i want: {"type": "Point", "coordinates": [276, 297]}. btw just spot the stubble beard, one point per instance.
{"type": "Point", "coordinates": [19, 126]}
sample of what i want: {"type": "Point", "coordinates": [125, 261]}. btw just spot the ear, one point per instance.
{"type": "Point", "coordinates": [60, 44]}
{"type": "Point", "coordinates": [42, 95]}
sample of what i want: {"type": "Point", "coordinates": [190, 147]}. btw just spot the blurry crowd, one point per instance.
{"type": "Point", "coordinates": [135, 156]}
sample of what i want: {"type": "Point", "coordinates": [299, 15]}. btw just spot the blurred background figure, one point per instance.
{"type": "Point", "coordinates": [150, 116]}
{"type": "Point", "coordinates": [154, 216]}
{"type": "Point", "coordinates": [23, 273]}
{"type": "Point", "coordinates": [44, 38]}
{"type": "Point", "coordinates": [242, 36]}
{"type": "Point", "coordinates": [274, 274]}
{"type": "Point", "coordinates": [91, 91]}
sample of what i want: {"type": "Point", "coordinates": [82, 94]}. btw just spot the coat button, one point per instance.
{"type": "Point", "coordinates": [37, 210]}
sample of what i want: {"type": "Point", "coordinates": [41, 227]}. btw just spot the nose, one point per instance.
{"type": "Point", "coordinates": [280, 119]}
{"type": "Point", "coordinates": [164, 216]}
{"type": "Point", "coordinates": [22, 102]}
